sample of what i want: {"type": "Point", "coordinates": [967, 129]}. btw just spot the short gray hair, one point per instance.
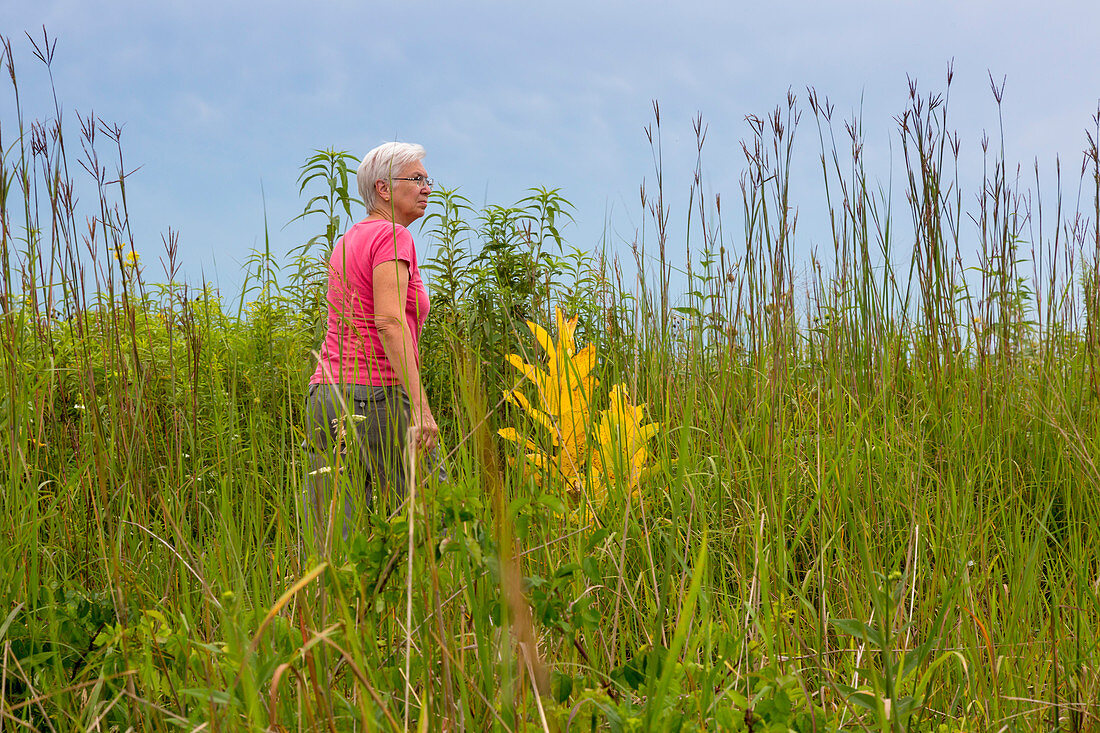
{"type": "Point", "coordinates": [381, 163]}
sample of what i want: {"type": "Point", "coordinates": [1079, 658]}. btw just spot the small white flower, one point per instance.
{"type": "Point", "coordinates": [357, 418]}
{"type": "Point", "coordinates": [322, 469]}
{"type": "Point", "coordinates": [79, 406]}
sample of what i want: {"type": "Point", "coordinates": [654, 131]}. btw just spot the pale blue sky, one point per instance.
{"type": "Point", "coordinates": [219, 98]}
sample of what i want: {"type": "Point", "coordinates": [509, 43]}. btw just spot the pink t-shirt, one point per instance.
{"type": "Point", "coordinates": [352, 351]}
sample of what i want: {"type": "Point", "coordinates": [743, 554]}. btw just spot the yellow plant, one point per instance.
{"type": "Point", "coordinates": [621, 438]}
{"type": "Point", "coordinates": [129, 260]}
{"type": "Point", "coordinates": [588, 456]}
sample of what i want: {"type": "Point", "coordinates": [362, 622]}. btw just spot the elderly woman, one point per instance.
{"type": "Point", "coordinates": [366, 398]}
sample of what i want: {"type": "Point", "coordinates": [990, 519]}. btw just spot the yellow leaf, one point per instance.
{"type": "Point", "coordinates": [583, 361]}
{"type": "Point", "coordinates": [536, 375]}
{"type": "Point", "coordinates": [518, 398]}
{"type": "Point", "coordinates": [566, 327]}
{"type": "Point", "coordinates": [542, 337]}
{"type": "Point", "coordinates": [648, 431]}
{"type": "Point", "coordinates": [540, 461]}
{"type": "Point", "coordinates": [515, 437]}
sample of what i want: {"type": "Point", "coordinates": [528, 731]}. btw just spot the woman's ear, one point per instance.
{"type": "Point", "coordinates": [382, 189]}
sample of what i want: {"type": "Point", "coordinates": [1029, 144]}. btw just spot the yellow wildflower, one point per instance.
{"type": "Point", "coordinates": [129, 260]}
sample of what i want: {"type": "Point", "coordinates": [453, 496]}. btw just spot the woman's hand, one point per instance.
{"type": "Point", "coordinates": [424, 429]}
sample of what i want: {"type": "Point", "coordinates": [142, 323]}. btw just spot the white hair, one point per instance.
{"type": "Point", "coordinates": [381, 163]}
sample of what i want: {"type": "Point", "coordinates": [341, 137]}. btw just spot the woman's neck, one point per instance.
{"type": "Point", "coordinates": [381, 215]}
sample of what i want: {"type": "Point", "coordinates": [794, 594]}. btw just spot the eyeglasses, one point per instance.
{"type": "Point", "coordinates": [420, 181]}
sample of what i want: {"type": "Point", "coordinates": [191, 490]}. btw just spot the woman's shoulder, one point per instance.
{"type": "Point", "coordinates": [379, 228]}
{"type": "Point", "coordinates": [386, 236]}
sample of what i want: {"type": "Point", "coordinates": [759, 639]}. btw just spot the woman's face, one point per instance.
{"type": "Point", "coordinates": [408, 199]}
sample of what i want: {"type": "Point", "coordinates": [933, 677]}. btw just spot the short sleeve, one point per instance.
{"type": "Point", "coordinates": [393, 243]}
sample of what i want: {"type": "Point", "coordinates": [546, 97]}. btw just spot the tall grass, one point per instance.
{"type": "Point", "coordinates": [874, 501]}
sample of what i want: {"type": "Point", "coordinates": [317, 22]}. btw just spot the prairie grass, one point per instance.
{"type": "Point", "coordinates": [873, 501]}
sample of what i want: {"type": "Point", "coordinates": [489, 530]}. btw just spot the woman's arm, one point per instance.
{"type": "Point", "coordinates": [391, 286]}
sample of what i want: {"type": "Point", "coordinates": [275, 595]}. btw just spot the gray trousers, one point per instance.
{"type": "Point", "coordinates": [355, 439]}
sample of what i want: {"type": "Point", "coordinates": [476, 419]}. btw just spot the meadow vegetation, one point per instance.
{"type": "Point", "coordinates": [870, 501]}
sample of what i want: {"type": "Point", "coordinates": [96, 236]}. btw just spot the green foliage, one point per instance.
{"type": "Point", "coordinates": [492, 271]}
{"type": "Point", "coordinates": [894, 691]}
{"type": "Point", "coordinates": [872, 509]}
{"type": "Point", "coordinates": [332, 168]}
{"type": "Point", "coordinates": [326, 174]}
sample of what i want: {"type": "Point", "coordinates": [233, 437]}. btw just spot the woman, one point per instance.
{"type": "Point", "coordinates": [366, 398]}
